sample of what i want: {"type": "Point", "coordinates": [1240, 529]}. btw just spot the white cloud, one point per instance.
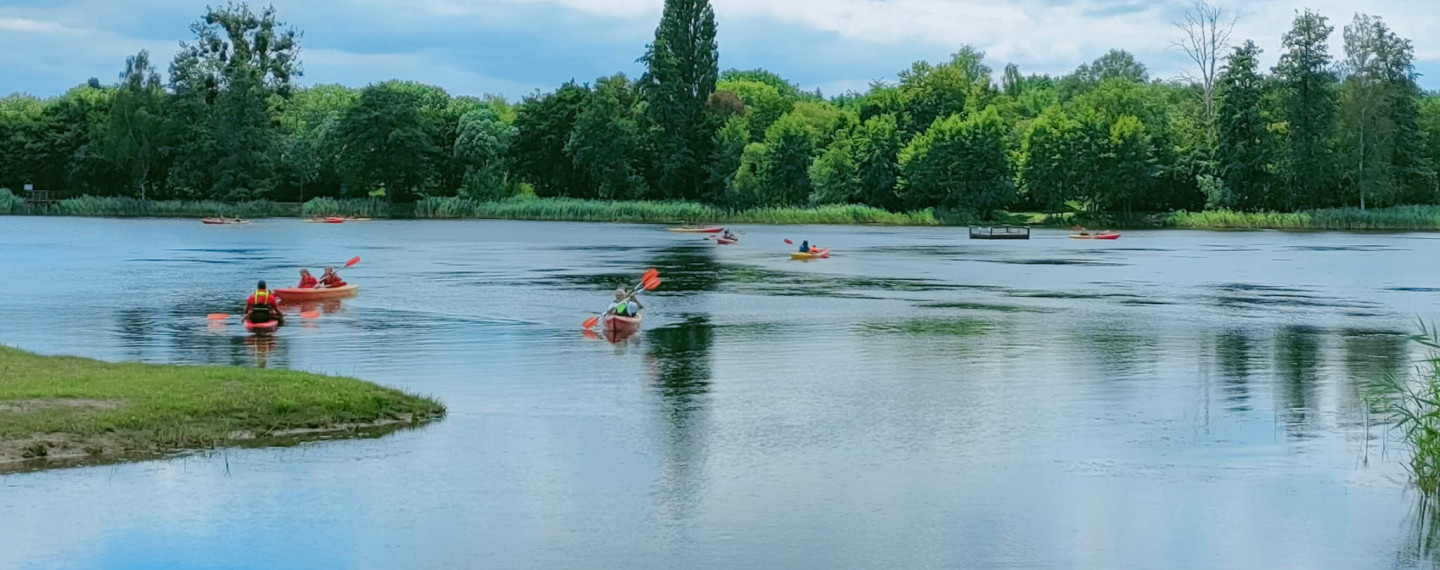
{"type": "Point", "coordinates": [31, 26]}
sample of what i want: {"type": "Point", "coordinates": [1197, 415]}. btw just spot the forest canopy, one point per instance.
{"type": "Point", "coordinates": [232, 123]}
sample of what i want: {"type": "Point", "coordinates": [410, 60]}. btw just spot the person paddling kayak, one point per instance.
{"type": "Point", "coordinates": [263, 306]}
{"type": "Point", "coordinates": [625, 305]}
{"type": "Point", "coordinates": [307, 281]}
{"type": "Point", "coordinates": [331, 280]}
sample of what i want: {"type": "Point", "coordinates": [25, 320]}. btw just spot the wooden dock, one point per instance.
{"type": "Point", "coordinates": [1002, 232]}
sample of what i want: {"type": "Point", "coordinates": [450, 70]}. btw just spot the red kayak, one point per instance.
{"type": "Point", "coordinates": [334, 220]}
{"type": "Point", "coordinates": [617, 323]}
{"type": "Point", "coordinates": [723, 241]}
{"type": "Point", "coordinates": [262, 327]}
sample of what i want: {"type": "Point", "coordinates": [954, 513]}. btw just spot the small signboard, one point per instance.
{"type": "Point", "coordinates": [29, 187]}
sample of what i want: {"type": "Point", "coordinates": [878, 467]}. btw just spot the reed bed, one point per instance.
{"type": "Point", "coordinates": [349, 208]}
{"type": "Point", "coordinates": [575, 210]}
{"type": "Point", "coordinates": [1396, 218]}
{"type": "Point", "coordinates": [10, 203]}
{"type": "Point", "coordinates": [125, 207]}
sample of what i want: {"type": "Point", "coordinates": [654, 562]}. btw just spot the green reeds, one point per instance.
{"type": "Point", "coordinates": [633, 211]}
{"type": "Point", "coordinates": [119, 206]}
{"type": "Point", "coordinates": [1396, 218]}
{"type": "Point", "coordinates": [10, 203]}
{"type": "Point", "coordinates": [349, 208]}
{"type": "Point", "coordinates": [1411, 407]}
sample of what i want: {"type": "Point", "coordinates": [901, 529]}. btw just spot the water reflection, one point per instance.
{"type": "Point", "coordinates": [1297, 365]}
{"type": "Point", "coordinates": [1236, 356]}
{"type": "Point", "coordinates": [678, 358]}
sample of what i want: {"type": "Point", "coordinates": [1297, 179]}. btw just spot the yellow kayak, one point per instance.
{"type": "Point", "coordinates": [822, 254]}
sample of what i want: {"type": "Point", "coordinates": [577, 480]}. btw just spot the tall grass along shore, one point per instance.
{"type": "Point", "coordinates": [75, 409]}
{"type": "Point", "coordinates": [645, 211]}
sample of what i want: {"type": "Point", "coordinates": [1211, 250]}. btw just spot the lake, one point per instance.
{"type": "Point", "coordinates": [1172, 399]}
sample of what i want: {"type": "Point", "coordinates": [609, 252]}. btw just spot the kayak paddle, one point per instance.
{"type": "Point", "coordinates": [649, 281]}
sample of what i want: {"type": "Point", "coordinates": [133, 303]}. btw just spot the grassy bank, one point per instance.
{"type": "Point", "coordinates": [122, 207]}
{"type": "Point", "coordinates": [74, 408]}
{"type": "Point", "coordinates": [573, 210]}
{"type": "Point", "coordinates": [641, 211]}
{"type": "Point", "coordinates": [1397, 218]}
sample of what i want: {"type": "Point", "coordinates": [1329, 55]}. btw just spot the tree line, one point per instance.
{"type": "Point", "coordinates": [231, 124]}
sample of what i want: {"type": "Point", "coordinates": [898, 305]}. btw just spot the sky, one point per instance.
{"type": "Point", "coordinates": [513, 47]}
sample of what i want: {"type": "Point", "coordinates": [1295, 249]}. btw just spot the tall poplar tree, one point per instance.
{"type": "Point", "coordinates": [682, 67]}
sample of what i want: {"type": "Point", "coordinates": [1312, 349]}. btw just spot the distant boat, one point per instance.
{"type": "Point", "coordinates": [222, 221]}
{"type": "Point", "coordinates": [1003, 232]}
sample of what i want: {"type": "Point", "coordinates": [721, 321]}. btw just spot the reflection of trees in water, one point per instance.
{"type": "Point", "coordinates": [1235, 353]}
{"type": "Point", "coordinates": [679, 358]}
{"type": "Point", "coordinates": [687, 268]}
{"type": "Point", "coordinates": [1297, 362]}
{"type": "Point", "coordinates": [1372, 357]}
{"type": "Point", "coordinates": [1121, 355]}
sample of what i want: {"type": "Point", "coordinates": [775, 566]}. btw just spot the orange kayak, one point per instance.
{"type": "Point", "coordinates": [294, 295]}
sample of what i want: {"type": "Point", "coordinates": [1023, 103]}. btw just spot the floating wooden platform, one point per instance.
{"type": "Point", "coordinates": [1003, 232]}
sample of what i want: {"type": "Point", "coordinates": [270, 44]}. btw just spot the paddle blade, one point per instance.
{"type": "Point", "coordinates": [787, 241]}
{"type": "Point", "coordinates": [352, 261]}
{"type": "Point", "coordinates": [591, 322]}
{"type": "Point", "coordinates": [652, 284]}
{"type": "Point", "coordinates": [218, 316]}
{"type": "Point", "coordinates": [310, 314]}
{"type": "Point", "coordinates": [652, 272]}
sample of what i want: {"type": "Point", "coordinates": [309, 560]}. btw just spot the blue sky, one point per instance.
{"type": "Point", "coordinates": [511, 47]}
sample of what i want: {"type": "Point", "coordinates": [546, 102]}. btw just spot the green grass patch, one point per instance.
{"type": "Point", "coordinates": [1397, 218]}
{"type": "Point", "coordinates": [124, 207]}
{"type": "Point", "coordinates": [65, 407]}
{"type": "Point", "coordinates": [350, 208]}
{"type": "Point", "coordinates": [640, 211]}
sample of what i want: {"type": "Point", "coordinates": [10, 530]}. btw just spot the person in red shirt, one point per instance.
{"type": "Point", "coordinates": [307, 281]}
{"type": "Point", "coordinates": [263, 306]}
{"type": "Point", "coordinates": [330, 279]}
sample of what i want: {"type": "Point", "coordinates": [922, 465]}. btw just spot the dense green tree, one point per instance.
{"type": "Point", "coordinates": [1063, 159]}
{"type": "Point", "coordinates": [724, 164]}
{"type": "Point", "coordinates": [482, 145]}
{"type": "Point", "coordinates": [606, 144]}
{"type": "Point", "coordinates": [1429, 124]}
{"type": "Point", "coordinates": [877, 146]}
{"type": "Point", "coordinates": [929, 92]}
{"type": "Point", "coordinates": [134, 138]}
{"type": "Point", "coordinates": [959, 164]}
{"type": "Point", "coordinates": [309, 151]}
{"type": "Point", "coordinates": [1115, 64]}
{"type": "Point", "coordinates": [1129, 162]}
{"type": "Point", "coordinates": [763, 104]}
{"type": "Point", "coordinates": [1308, 109]}
{"type": "Point", "coordinates": [223, 83]}
{"type": "Point", "coordinates": [1245, 145]}
{"type": "Point", "coordinates": [784, 169]}
{"type": "Point", "coordinates": [389, 141]}
{"type": "Point", "coordinates": [1381, 144]}
{"type": "Point", "coordinates": [834, 176]}
{"type": "Point", "coordinates": [682, 67]}
{"type": "Point", "coordinates": [545, 122]}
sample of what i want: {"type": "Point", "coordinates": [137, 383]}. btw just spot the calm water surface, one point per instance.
{"type": "Point", "coordinates": [1169, 400]}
